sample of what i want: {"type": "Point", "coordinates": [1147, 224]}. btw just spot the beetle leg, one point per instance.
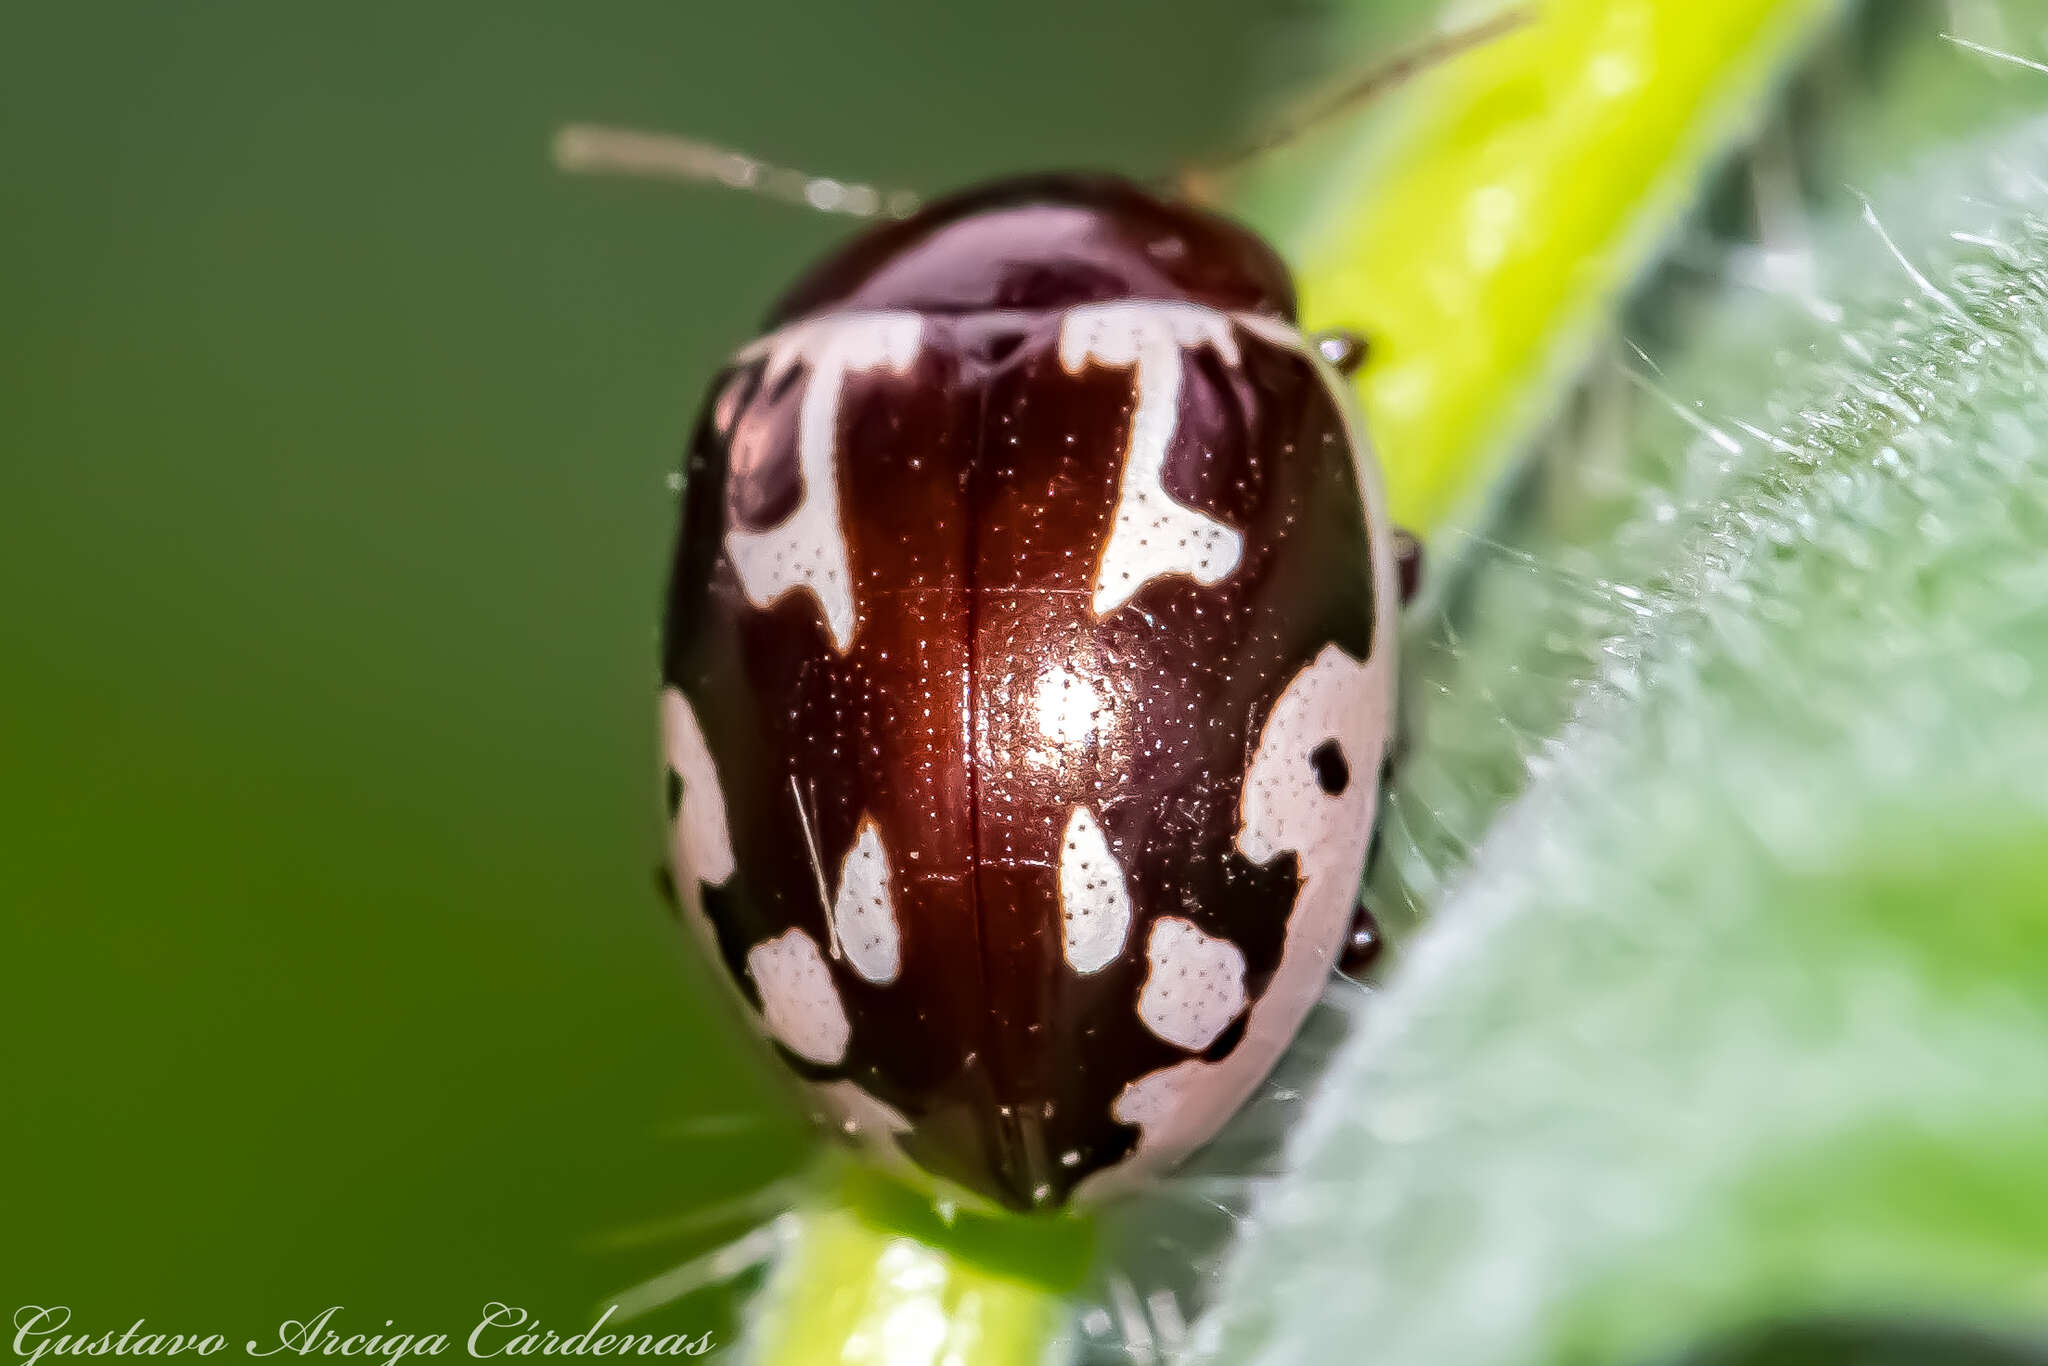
{"type": "Point", "coordinates": [1408, 563]}
{"type": "Point", "coordinates": [1362, 942]}
{"type": "Point", "coordinates": [1344, 349]}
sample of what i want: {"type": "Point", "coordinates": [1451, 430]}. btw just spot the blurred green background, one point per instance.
{"type": "Point", "coordinates": [332, 520]}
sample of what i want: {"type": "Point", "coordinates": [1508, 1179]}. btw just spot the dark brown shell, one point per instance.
{"type": "Point", "coordinates": [896, 758]}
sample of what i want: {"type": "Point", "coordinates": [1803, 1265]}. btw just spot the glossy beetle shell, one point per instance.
{"type": "Point", "coordinates": [1029, 669]}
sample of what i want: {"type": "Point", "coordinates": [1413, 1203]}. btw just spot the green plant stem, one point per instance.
{"type": "Point", "coordinates": [1490, 222]}
{"type": "Point", "coordinates": [875, 1277]}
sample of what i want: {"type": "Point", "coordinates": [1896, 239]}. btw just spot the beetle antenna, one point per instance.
{"type": "Point", "coordinates": [596, 149]}
{"type": "Point", "coordinates": [1374, 81]}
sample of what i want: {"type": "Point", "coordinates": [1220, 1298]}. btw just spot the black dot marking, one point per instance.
{"type": "Point", "coordinates": [1333, 775]}
{"type": "Point", "coordinates": [673, 791]}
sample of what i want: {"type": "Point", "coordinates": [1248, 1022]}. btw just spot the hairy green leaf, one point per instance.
{"type": "Point", "coordinates": [1741, 1012]}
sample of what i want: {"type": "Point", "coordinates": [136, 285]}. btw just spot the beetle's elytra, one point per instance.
{"type": "Point", "coordinates": [1029, 669]}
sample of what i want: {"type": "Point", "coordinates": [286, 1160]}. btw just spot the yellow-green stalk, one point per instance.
{"type": "Point", "coordinates": [1525, 185]}
{"type": "Point", "coordinates": [877, 1276]}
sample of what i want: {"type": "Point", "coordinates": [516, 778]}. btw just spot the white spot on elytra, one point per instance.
{"type": "Point", "coordinates": [701, 840]}
{"type": "Point", "coordinates": [1152, 1099]}
{"type": "Point", "coordinates": [1336, 698]}
{"type": "Point", "coordinates": [1196, 986]}
{"type": "Point", "coordinates": [1095, 902]}
{"type": "Point", "coordinates": [864, 912]}
{"type": "Point", "coordinates": [1152, 535]}
{"type": "Point", "coordinates": [798, 1000]}
{"type": "Point", "coordinates": [806, 551]}
{"type": "Point", "coordinates": [1284, 806]}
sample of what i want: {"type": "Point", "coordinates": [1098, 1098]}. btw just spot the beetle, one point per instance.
{"type": "Point", "coordinates": [1029, 666]}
